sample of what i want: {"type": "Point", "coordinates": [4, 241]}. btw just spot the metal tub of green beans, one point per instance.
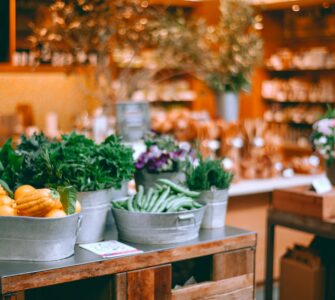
{"type": "Point", "coordinates": [167, 213]}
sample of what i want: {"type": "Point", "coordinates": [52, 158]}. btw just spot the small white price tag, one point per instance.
{"type": "Point", "coordinates": [322, 185]}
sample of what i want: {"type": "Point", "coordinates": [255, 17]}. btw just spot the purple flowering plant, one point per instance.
{"type": "Point", "coordinates": [163, 154]}
{"type": "Point", "coordinates": [323, 136]}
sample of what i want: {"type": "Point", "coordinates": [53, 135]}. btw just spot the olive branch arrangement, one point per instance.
{"type": "Point", "coordinates": [223, 55]}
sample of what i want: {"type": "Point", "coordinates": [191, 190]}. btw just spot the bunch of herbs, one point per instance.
{"type": "Point", "coordinates": [73, 161]}
{"type": "Point", "coordinates": [207, 174]}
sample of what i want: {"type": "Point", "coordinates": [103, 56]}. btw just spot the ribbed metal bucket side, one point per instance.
{"type": "Point", "coordinates": [95, 207]}
{"type": "Point", "coordinates": [158, 228]}
{"type": "Point", "coordinates": [216, 202]}
{"type": "Point", "coordinates": [38, 239]}
{"type": "Point", "coordinates": [148, 180]}
{"type": "Point", "coordinates": [117, 195]}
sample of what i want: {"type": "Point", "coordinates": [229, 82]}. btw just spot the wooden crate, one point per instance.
{"type": "Point", "coordinates": [303, 201]}
{"type": "Point", "coordinates": [232, 277]}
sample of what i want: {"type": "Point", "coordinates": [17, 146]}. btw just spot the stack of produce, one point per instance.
{"type": "Point", "coordinates": [165, 197]}
{"type": "Point", "coordinates": [30, 202]}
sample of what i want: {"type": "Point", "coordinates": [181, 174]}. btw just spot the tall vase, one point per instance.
{"type": "Point", "coordinates": [330, 171]}
{"type": "Point", "coordinates": [132, 119]}
{"type": "Point", "coordinates": [228, 106]}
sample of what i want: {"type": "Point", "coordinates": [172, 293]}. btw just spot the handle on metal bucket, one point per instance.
{"type": "Point", "coordinates": [186, 218]}
{"type": "Point", "coordinates": [79, 222]}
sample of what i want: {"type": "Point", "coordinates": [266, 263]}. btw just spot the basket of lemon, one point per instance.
{"type": "Point", "coordinates": [36, 226]}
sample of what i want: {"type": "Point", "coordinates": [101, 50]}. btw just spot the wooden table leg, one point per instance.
{"type": "Point", "coordinates": [269, 259]}
{"type": "Point", "coordinates": [11, 296]}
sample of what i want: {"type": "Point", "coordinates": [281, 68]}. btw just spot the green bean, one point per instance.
{"type": "Point", "coordinates": [130, 204]}
{"type": "Point", "coordinates": [197, 205]}
{"type": "Point", "coordinates": [139, 197]}
{"type": "Point", "coordinates": [176, 200]}
{"type": "Point", "coordinates": [153, 200]}
{"type": "Point", "coordinates": [149, 195]}
{"type": "Point", "coordinates": [182, 203]}
{"type": "Point", "coordinates": [178, 188]}
{"type": "Point", "coordinates": [161, 199]}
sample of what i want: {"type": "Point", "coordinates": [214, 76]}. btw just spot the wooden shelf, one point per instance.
{"type": "Point", "coordinates": [300, 70]}
{"type": "Point", "coordinates": [169, 102]}
{"type": "Point", "coordinates": [41, 69]}
{"type": "Point", "coordinates": [14, 69]}
{"type": "Point", "coordinates": [296, 148]}
{"type": "Point", "coordinates": [180, 3]}
{"type": "Point", "coordinates": [287, 102]}
{"type": "Point", "coordinates": [284, 4]}
{"type": "Point", "coordinates": [292, 123]}
{"type": "Point", "coordinates": [308, 39]}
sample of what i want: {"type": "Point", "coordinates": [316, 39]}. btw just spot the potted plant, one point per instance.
{"type": "Point", "coordinates": [166, 213]}
{"type": "Point", "coordinates": [78, 167]}
{"type": "Point", "coordinates": [95, 171]}
{"type": "Point", "coordinates": [223, 55]}
{"type": "Point", "coordinates": [163, 158]}
{"type": "Point", "coordinates": [323, 139]}
{"type": "Point", "coordinates": [209, 178]}
{"type": "Point", "coordinates": [238, 49]}
{"type": "Point", "coordinates": [32, 210]}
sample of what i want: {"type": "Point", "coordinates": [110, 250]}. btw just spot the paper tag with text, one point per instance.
{"type": "Point", "coordinates": [322, 185]}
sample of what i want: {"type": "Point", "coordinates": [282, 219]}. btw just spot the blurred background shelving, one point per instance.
{"type": "Point", "coordinates": [299, 63]}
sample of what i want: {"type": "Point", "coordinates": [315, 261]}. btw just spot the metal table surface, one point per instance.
{"type": "Point", "coordinates": [11, 269]}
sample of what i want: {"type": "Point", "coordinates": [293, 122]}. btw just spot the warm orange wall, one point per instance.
{"type": "Point", "coordinates": [45, 92]}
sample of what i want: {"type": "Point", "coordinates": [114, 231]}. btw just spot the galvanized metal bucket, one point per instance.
{"type": "Point", "coordinates": [38, 239]}
{"type": "Point", "coordinates": [158, 228]}
{"type": "Point", "coordinates": [148, 180]}
{"type": "Point", "coordinates": [117, 195]}
{"type": "Point", "coordinates": [216, 208]}
{"type": "Point", "coordinates": [94, 208]}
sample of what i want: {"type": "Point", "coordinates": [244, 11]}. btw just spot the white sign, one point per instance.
{"type": "Point", "coordinates": [322, 185]}
{"type": "Point", "coordinates": [108, 249]}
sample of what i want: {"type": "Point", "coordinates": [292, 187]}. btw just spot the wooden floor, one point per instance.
{"type": "Point", "coordinates": [249, 212]}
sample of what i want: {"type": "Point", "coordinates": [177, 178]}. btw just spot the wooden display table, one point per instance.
{"type": "Point", "coordinates": [226, 257]}
{"type": "Point", "coordinates": [293, 221]}
{"type": "Point", "coordinates": [249, 201]}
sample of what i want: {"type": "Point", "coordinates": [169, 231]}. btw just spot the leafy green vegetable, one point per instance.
{"type": "Point", "coordinates": [207, 174]}
{"type": "Point", "coordinates": [11, 163]}
{"type": "Point", "coordinates": [90, 167]}
{"type": "Point", "coordinates": [68, 196]}
{"type": "Point", "coordinates": [73, 161]}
